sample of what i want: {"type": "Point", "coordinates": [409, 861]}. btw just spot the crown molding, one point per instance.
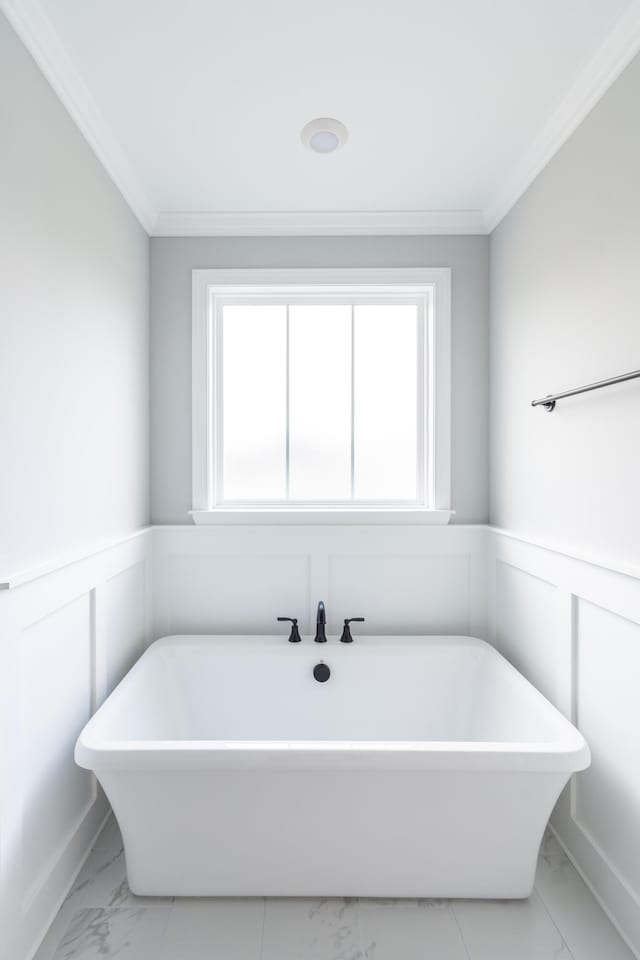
{"type": "Point", "coordinates": [41, 40]}
{"type": "Point", "coordinates": [319, 223]}
{"type": "Point", "coordinates": [614, 54]}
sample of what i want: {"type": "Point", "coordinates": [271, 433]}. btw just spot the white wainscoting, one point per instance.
{"type": "Point", "coordinates": [573, 628]}
{"type": "Point", "coordinates": [67, 636]}
{"type": "Point", "coordinates": [404, 580]}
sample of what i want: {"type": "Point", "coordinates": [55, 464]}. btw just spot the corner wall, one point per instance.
{"type": "Point", "coordinates": [74, 422]}
{"type": "Point", "coordinates": [565, 311]}
{"type": "Point", "coordinates": [74, 332]}
{"type": "Point", "coordinates": [564, 569]}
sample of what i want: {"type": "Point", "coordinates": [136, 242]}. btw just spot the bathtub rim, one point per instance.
{"type": "Point", "coordinates": [568, 754]}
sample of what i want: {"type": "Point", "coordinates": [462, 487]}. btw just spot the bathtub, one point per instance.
{"type": "Point", "coordinates": [423, 767]}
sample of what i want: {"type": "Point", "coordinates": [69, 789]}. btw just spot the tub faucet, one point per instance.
{"type": "Point", "coordinates": [321, 619]}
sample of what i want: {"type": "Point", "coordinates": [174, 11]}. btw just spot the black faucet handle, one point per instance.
{"type": "Point", "coordinates": [294, 636]}
{"type": "Point", "coordinates": [346, 633]}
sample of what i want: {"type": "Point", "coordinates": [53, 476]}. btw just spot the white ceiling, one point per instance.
{"type": "Point", "coordinates": [452, 106]}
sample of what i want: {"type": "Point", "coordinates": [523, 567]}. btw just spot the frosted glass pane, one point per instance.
{"type": "Point", "coordinates": [385, 402]}
{"type": "Point", "coordinates": [320, 402]}
{"type": "Point", "coordinates": [254, 402]}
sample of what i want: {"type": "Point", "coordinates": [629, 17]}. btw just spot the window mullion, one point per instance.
{"type": "Point", "coordinates": [353, 448]}
{"type": "Point", "coordinates": [287, 416]}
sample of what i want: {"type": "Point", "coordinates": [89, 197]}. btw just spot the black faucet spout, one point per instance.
{"type": "Point", "coordinates": [321, 620]}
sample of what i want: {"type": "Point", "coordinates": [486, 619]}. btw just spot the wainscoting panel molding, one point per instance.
{"type": "Point", "coordinates": [573, 628]}
{"type": "Point", "coordinates": [405, 580]}
{"type": "Point", "coordinates": [67, 638]}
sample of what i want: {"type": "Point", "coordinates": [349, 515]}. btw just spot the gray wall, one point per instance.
{"type": "Point", "coordinates": [565, 274]}
{"type": "Point", "coordinates": [172, 261]}
{"type": "Point", "coordinates": [73, 331]}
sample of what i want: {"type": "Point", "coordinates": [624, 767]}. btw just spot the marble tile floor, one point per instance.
{"type": "Point", "coordinates": [101, 919]}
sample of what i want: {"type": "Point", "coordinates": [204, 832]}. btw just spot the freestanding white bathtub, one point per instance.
{"type": "Point", "coordinates": [424, 767]}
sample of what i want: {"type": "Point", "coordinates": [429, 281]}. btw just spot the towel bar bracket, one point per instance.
{"type": "Point", "coordinates": [549, 402]}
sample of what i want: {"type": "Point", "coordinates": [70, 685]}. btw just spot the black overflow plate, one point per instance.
{"type": "Point", "coordinates": [321, 672]}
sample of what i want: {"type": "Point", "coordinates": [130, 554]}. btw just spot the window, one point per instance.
{"type": "Point", "coordinates": [318, 391]}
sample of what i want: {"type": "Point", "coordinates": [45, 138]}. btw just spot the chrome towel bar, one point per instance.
{"type": "Point", "coordinates": [549, 402]}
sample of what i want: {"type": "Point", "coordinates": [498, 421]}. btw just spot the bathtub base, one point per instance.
{"type": "Point", "coordinates": [367, 833]}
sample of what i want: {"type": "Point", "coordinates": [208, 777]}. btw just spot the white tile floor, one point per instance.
{"type": "Point", "coordinates": [101, 918]}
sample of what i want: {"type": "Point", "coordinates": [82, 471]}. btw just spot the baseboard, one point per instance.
{"type": "Point", "coordinates": [88, 846]}
{"type": "Point", "coordinates": [594, 892]}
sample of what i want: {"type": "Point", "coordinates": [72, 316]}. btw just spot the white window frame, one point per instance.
{"type": "Point", "coordinates": [429, 287]}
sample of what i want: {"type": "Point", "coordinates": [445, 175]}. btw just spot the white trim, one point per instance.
{"type": "Point", "coordinates": [329, 517]}
{"type": "Point", "coordinates": [206, 282]}
{"type": "Point", "coordinates": [34, 28]}
{"type": "Point", "coordinates": [604, 562]}
{"type": "Point", "coordinates": [89, 582]}
{"type": "Point", "coordinates": [25, 575]}
{"type": "Point", "coordinates": [101, 810]}
{"type": "Point", "coordinates": [17, 578]}
{"type": "Point", "coordinates": [616, 51]}
{"type": "Point", "coordinates": [42, 41]}
{"type": "Point", "coordinates": [439, 429]}
{"type": "Point", "coordinates": [612, 587]}
{"type": "Point", "coordinates": [320, 223]}
{"type": "Point", "coordinates": [606, 908]}
{"type": "Point", "coordinates": [36, 31]}
{"type": "Point", "coordinates": [200, 395]}
{"type": "Point", "coordinates": [322, 276]}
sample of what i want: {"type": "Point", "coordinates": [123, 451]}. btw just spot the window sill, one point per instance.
{"type": "Point", "coordinates": [328, 517]}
